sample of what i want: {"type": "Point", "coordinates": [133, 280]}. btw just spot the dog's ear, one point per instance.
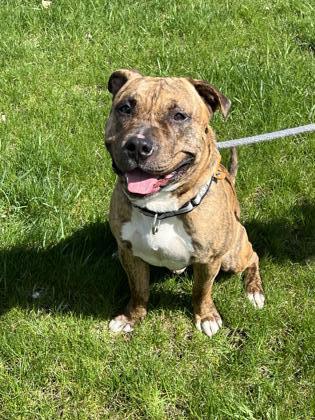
{"type": "Point", "coordinates": [213, 98]}
{"type": "Point", "coordinates": [119, 78]}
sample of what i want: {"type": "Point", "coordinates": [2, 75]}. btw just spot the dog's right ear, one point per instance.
{"type": "Point", "coordinates": [119, 78]}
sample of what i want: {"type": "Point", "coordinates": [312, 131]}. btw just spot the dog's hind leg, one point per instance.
{"type": "Point", "coordinates": [253, 285]}
{"type": "Point", "coordinates": [242, 258]}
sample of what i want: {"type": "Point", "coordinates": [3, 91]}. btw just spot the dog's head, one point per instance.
{"type": "Point", "coordinates": [157, 132]}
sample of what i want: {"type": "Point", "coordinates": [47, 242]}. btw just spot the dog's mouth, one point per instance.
{"type": "Point", "coordinates": [144, 183]}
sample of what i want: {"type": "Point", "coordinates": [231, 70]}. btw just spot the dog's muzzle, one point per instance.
{"type": "Point", "coordinates": [138, 148]}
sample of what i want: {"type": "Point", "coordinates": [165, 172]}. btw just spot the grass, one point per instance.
{"type": "Point", "coordinates": [59, 285]}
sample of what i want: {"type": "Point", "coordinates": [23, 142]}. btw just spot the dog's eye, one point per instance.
{"type": "Point", "coordinates": [180, 116]}
{"type": "Point", "coordinates": [125, 109]}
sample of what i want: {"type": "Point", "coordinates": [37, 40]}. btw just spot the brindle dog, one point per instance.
{"type": "Point", "coordinates": [165, 155]}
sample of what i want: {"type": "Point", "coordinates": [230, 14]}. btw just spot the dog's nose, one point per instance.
{"type": "Point", "coordinates": [139, 148]}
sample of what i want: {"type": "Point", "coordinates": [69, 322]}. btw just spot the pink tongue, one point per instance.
{"type": "Point", "coordinates": [142, 183]}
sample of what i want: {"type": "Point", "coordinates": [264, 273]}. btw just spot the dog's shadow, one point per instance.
{"type": "Point", "coordinates": [80, 276]}
{"type": "Point", "coordinates": [286, 238]}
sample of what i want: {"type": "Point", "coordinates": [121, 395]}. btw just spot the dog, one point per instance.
{"type": "Point", "coordinates": [174, 204]}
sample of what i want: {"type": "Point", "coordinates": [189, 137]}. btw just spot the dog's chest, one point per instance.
{"type": "Point", "coordinates": [169, 247]}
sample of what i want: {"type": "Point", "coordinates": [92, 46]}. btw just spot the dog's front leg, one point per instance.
{"type": "Point", "coordinates": [138, 273]}
{"type": "Point", "coordinates": [207, 318]}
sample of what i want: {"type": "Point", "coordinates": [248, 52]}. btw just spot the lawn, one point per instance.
{"type": "Point", "coordinates": [59, 284]}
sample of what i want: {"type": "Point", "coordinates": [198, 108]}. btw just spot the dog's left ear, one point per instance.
{"type": "Point", "coordinates": [119, 78]}
{"type": "Point", "coordinates": [213, 98]}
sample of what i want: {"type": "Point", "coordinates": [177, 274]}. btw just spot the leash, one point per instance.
{"type": "Point", "coordinates": [244, 141]}
{"type": "Point", "coordinates": [190, 205]}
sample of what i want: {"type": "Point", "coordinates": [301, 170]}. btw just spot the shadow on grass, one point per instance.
{"type": "Point", "coordinates": [290, 238]}
{"type": "Point", "coordinates": [79, 275]}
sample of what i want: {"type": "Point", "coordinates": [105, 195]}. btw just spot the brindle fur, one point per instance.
{"type": "Point", "coordinates": [219, 239]}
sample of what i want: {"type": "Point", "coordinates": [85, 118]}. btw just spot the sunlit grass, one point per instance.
{"type": "Point", "coordinates": [59, 284]}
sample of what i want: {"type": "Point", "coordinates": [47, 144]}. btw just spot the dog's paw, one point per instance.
{"type": "Point", "coordinates": [209, 326]}
{"type": "Point", "coordinates": [179, 271]}
{"type": "Point", "coordinates": [257, 299]}
{"type": "Point", "coordinates": [121, 324]}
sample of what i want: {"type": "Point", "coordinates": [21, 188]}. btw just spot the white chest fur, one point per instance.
{"type": "Point", "coordinates": [169, 247]}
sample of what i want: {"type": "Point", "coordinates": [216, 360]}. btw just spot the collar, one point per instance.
{"type": "Point", "coordinates": [187, 207]}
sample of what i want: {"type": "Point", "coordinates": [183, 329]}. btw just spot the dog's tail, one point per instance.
{"type": "Point", "coordinates": [233, 166]}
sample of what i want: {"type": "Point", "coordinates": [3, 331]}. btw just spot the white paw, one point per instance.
{"type": "Point", "coordinates": [257, 299]}
{"type": "Point", "coordinates": [179, 271]}
{"type": "Point", "coordinates": [120, 324]}
{"type": "Point", "coordinates": [209, 327]}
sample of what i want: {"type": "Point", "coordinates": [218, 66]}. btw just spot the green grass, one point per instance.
{"type": "Point", "coordinates": [59, 285]}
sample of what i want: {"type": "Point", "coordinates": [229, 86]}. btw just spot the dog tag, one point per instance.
{"type": "Point", "coordinates": [155, 224]}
